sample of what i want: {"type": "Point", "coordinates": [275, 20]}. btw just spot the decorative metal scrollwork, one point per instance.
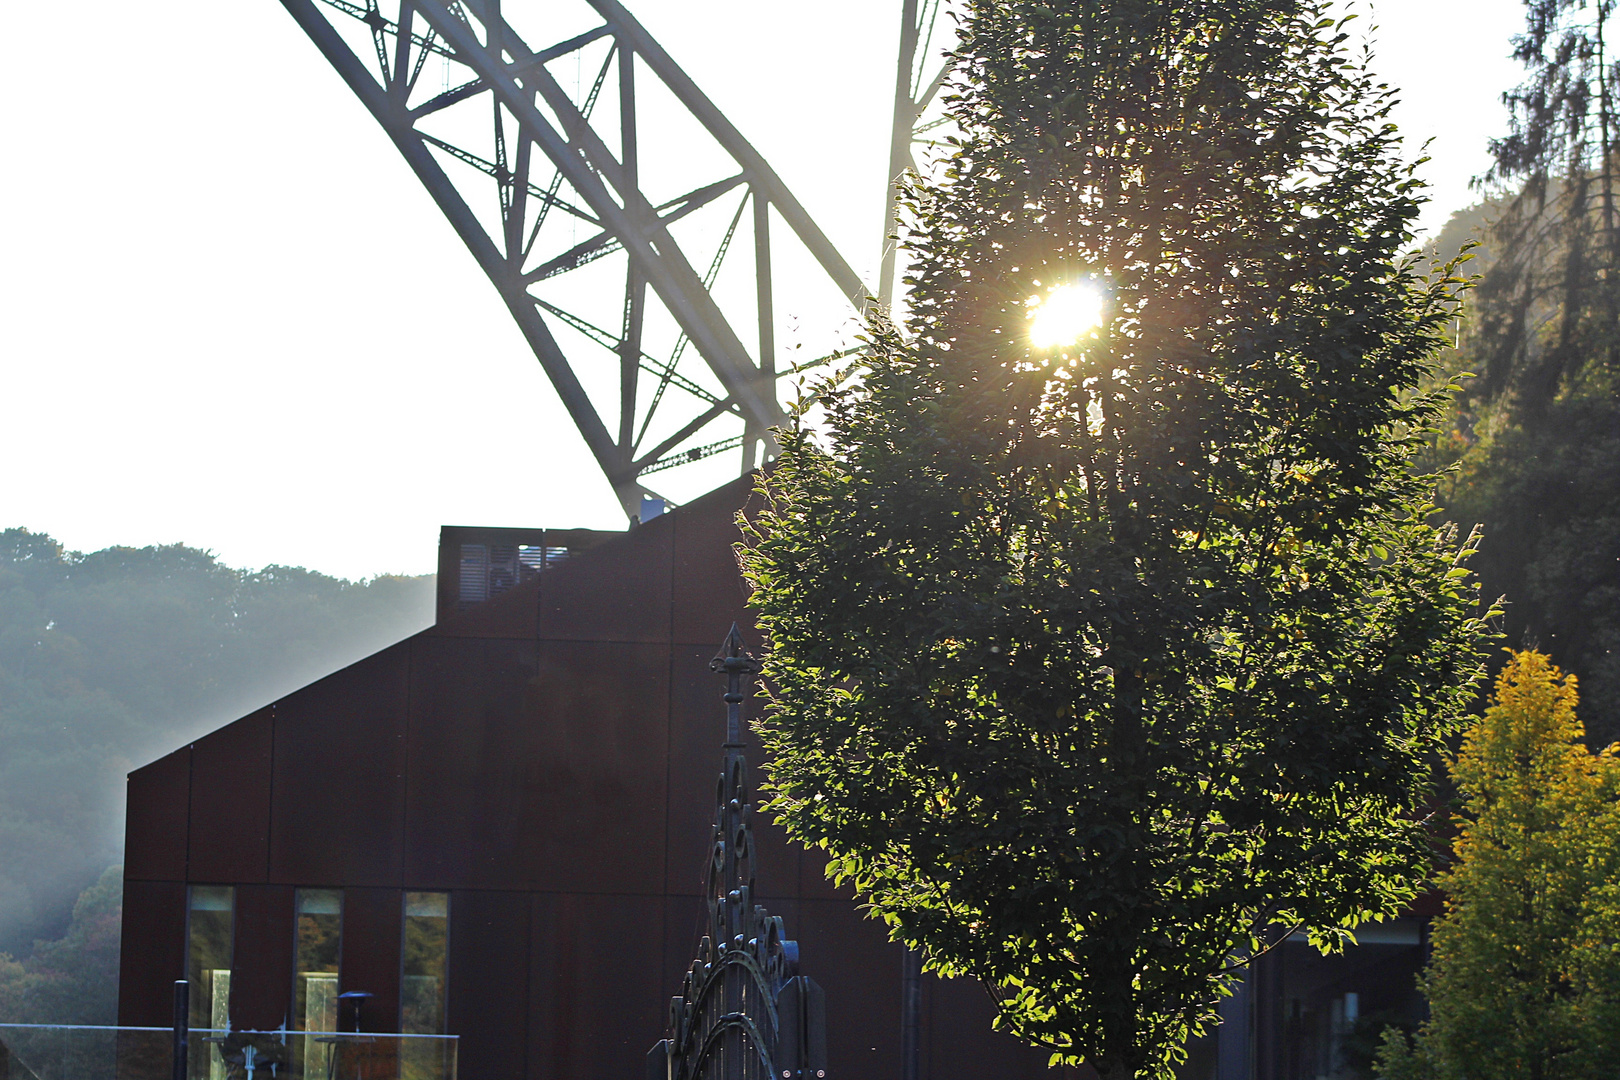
{"type": "Point", "coordinates": [744, 1012]}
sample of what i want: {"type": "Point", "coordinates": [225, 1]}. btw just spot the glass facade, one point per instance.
{"type": "Point", "coordinates": [210, 922]}
{"type": "Point", "coordinates": [318, 938]}
{"type": "Point", "coordinates": [423, 983]}
{"type": "Point", "coordinates": [426, 963]}
{"type": "Point", "coordinates": [73, 1052]}
{"type": "Point", "coordinates": [1299, 1015]}
{"type": "Point", "coordinates": [1328, 1013]}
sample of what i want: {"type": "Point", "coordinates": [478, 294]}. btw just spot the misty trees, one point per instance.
{"type": "Point", "coordinates": [1100, 663]}
{"type": "Point", "coordinates": [110, 658]}
{"type": "Point", "coordinates": [72, 979]}
{"type": "Point", "coordinates": [1550, 305]}
{"type": "Point", "coordinates": [1524, 983]}
{"type": "Point", "coordinates": [1539, 432]}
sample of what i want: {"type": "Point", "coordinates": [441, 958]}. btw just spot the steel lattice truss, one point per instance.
{"type": "Point", "coordinates": [919, 77]}
{"type": "Point", "coordinates": [534, 154]}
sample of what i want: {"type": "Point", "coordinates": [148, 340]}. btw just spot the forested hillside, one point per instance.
{"type": "Point", "coordinates": [112, 658]}
{"type": "Point", "coordinates": [1534, 442]}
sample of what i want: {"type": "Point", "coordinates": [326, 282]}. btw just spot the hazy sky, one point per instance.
{"type": "Point", "coordinates": [231, 317]}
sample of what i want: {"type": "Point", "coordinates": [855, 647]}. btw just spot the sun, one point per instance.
{"type": "Point", "coordinates": [1064, 315]}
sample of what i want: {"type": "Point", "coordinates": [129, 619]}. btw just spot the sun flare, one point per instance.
{"type": "Point", "coordinates": [1064, 315]}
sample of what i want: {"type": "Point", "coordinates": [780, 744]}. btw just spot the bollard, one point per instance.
{"type": "Point", "coordinates": [911, 1015]}
{"type": "Point", "coordinates": [182, 1029]}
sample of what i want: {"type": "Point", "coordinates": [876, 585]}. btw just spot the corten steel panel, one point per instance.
{"type": "Point", "coordinates": [261, 964]}
{"type": "Point", "coordinates": [617, 591]}
{"type": "Point", "coordinates": [472, 750]}
{"type": "Point", "coordinates": [593, 813]}
{"type": "Point", "coordinates": [708, 587]}
{"type": "Point", "coordinates": [157, 801]}
{"type": "Point", "coordinates": [1428, 905]}
{"type": "Point", "coordinates": [697, 732]}
{"type": "Point", "coordinates": [370, 960]}
{"type": "Point", "coordinates": [580, 540]}
{"type": "Point", "coordinates": [685, 918]}
{"type": "Point", "coordinates": [230, 801]}
{"type": "Point", "coordinates": [512, 614]}
{"type": "Point", "coordinates": [813, 881]}
{"type": "Point", "coordinates": [596, 1004]}
{"type": "Point", "coordinates": [860, 971]}
{"type": "Point", "coordinates": [958, 1043]}
{"type": "Point", "coordinates": [338, 794]}
{"type": "Point", "coordinates": [151, 952]}
{"type": "Point", "coordinates": [489, 981]}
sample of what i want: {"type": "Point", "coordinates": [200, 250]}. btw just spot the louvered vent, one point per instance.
{"type": "Point", "coordinates": [536, 557]}
{"type": "Point", "coordinates": [474, 575]}
{"type": "Point", "coordinates": [488, 570]}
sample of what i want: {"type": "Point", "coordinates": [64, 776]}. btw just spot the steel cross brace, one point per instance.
{"type": "Point", "coordinates": [919, 19]}
{"type": "Point", "coordinates": [533, 112]}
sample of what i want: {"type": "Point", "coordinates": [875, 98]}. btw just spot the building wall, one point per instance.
{"type": "Point", "coordinates": [549, 758]}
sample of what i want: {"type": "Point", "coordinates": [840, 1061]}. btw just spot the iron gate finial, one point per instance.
{"type": "Point", "coordinates": [744, 1012]}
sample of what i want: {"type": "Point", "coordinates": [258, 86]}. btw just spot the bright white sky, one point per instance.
{"type": "Point", "coordinates": [230, 316]}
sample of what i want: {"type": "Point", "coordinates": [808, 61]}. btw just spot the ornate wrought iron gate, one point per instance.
{"type": "Point", "coordinates": [744, 1012]}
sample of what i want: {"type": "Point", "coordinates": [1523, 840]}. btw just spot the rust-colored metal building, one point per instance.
{"type": "Point", "coordinates": [532, 780]}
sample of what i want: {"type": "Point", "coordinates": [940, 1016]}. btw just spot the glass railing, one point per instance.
{"type": "Point", "coordinates": [74, 1052]}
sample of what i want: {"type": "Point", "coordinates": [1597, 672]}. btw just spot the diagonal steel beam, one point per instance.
{"type": "Point", "coordinates": [918, 19]}
{"type": "Point", "coordinates": [761, 175]}
{"type": "Point", "coordinates": [396, 122]}
{"type": "Point", "coordinates": [590, 168]}
{"type": "Point", "coordinates": [535, 120]}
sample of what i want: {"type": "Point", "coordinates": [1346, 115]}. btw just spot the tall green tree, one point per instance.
{"type": "Point", "coordinates": [1101, 660]}
{"type": "Point", "coordinates": [1524, 981]}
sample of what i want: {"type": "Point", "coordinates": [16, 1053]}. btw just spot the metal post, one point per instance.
{"type": "Point", "coordinates": [182, 1029]}
{"type": "Point", "coordinates": [1233, 1050]}
{"type": "Point", "coordinates": [905, 119]}
{"type": "Point", "coordinates": [753, 436]}
{"type": "Point", "coordinates": [735, 662]}
{"type": "Point", "coordinates": [911, 1015]}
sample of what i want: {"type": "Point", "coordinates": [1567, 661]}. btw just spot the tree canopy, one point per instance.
{"type": "Point", "coordinates": [1102, 660]}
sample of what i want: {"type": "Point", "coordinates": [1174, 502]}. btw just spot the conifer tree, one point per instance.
{"type": "Point", "coordinates": [1539, 432]}
{"type": "Point", "coordinates": [1550, 305]}
{"type": "Point", "coordinates": [1524, 980]}
{"type": "Point", "coordinates": [1108, 640]}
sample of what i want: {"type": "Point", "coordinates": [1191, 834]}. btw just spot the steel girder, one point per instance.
{"type": "Point", "coordinates": [919, 76]}
{"type": "Point", "coordinates": [663, 406]}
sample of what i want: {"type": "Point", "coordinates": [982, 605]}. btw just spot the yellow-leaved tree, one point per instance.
{"type": "Point", "coordinates": [1524, 980]}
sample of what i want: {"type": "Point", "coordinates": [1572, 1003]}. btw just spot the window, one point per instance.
{"type": "Point", "coordinates": [209, 918]}
{"type": "Point", "coordinates": [488, 570]}
{"type": "Point", "coordinates": [318, 936]}
{"type": "Point", "coordinates": [426, 960]}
